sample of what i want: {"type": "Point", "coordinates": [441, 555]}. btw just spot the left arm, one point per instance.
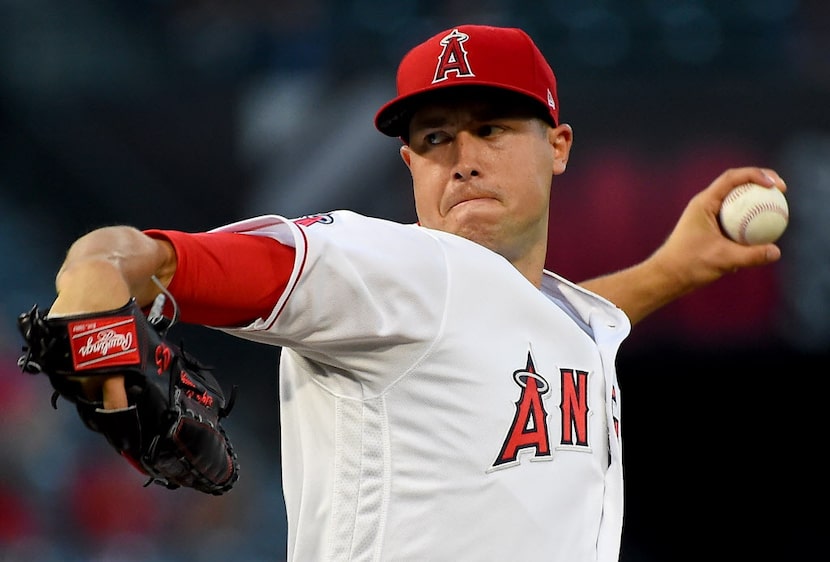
{"type": "Point", "coordinates": [695, 254]}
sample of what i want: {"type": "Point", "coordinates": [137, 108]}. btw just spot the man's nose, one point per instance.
{"type": "Point", "coordinates": [467, 153]}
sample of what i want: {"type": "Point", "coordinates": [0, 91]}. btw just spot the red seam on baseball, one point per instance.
{"type": "Point", "coordinates": [755, 211]}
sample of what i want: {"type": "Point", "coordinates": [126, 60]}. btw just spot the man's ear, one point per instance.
{"type": "Point", "coordinates": [406, 155]}
{"type": "Point", "coordinates": [560, 138]}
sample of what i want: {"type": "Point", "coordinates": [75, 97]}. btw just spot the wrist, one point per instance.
{"type": "Point", "coordinates": [668, 278]}
{"type": "Point", "coordinates": [89, 286]}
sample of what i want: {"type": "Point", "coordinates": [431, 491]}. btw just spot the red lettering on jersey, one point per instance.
{"type": "Point", "coordinates": [314, 219]}
{"type": "Point", "coordinates": [529, 429]}
{"type": "Point", "coordinates": [453, 58]}
{"type": "Point", "coordinates": [574, 407]}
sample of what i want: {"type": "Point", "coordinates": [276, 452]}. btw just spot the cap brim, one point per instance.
{"type": "Point", "coordinates": [393, 118]}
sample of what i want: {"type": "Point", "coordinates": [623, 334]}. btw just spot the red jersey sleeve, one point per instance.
{"type": "Point", "coordinates": [226, 279]}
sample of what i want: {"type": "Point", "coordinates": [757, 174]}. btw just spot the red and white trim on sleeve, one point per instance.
{"type": "Point", "coordinates": [226, 279]}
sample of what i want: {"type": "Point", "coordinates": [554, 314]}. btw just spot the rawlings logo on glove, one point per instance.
{"type": "Point", "coordinates": [103, 344]}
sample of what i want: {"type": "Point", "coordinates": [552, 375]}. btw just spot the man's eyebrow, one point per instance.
{"type": "Point", "coordinates": [439, 119]}
{"type": "Point", "coordinates": [429, 121]}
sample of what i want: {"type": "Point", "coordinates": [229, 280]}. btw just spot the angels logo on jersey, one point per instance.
{"type": "Point", "coordinates": [308, 220]}
{"type": "Point", "coordinates": [529, 430]}
{"type": "Point", "coordinates": [453, 59]}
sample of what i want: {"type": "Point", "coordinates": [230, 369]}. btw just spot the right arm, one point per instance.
{"type": "Point", "coordinates": [695, 254]}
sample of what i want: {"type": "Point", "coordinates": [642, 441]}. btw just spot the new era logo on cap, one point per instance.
{"type": "Point", "coordinates": [474, 55]}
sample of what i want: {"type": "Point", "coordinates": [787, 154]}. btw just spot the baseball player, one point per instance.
{"type": "Point", "coordinates": [442, 396]}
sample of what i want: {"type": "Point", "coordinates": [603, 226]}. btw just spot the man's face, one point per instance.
{"type": "Point", "coordinates": [483, 170]}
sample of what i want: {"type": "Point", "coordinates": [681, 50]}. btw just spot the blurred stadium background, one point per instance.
{"type": "Point", "coordinates": [188, 114]}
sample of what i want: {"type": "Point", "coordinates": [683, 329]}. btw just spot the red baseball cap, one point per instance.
{"type": "Point", "coordinates": [470, 55]}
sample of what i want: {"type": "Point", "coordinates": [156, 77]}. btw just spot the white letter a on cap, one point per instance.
{"type": "Point", "coordinates": [453, 58]}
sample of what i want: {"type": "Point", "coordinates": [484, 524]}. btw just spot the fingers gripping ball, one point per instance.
{"type": "Point", "coordinates": [171, 429]}
{"type": "Point", "coordinates": [753, 214]}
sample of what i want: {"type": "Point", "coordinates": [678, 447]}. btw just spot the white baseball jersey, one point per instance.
{"type": "Point", "coordinates": [435, 405]}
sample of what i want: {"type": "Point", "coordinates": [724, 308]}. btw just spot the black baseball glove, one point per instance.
{"type": "Point", "coordinates": [171, 430]}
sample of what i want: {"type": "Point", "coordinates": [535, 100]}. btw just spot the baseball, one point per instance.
{"type": "Point", "coordinates": [753, 214]}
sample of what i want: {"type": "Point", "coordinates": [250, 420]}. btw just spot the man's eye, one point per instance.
{"type": "Point", "coordinates": [488, 130]}
{"type": "Point", "coordinates": [436, 137]}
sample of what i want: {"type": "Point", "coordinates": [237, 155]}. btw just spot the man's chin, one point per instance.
{"type": "Point", "coordinates": [481, 232]}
